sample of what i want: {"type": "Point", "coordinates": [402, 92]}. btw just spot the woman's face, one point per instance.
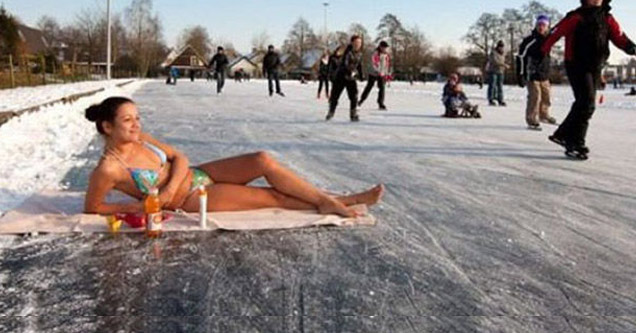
{"type": "Point", "coordinates": [357, 44]}
{"type": "Point", "coordinates": [126, 126]}
{"type": "Point", "coordinates": [594, 3]}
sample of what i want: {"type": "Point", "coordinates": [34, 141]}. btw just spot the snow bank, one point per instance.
{"type": "Point", "coordinates": [39, 148]}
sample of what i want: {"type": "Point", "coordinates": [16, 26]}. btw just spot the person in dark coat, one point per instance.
{"type": "Point", "coordinates": [533, 72]}
{"type": "Point", "coordinates": [271, 63]}
{"type": "Point", "coordinates": [219, 63]}
{"type": "Point", "coordinates": [587, 31]}
{"type": "Point", "coordinates": [323, 74]}
{"type": "Point", "coordinates": [349, 70]}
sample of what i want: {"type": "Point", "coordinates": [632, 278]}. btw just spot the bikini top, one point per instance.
{"type": "Point", "coordinates": [144, 179]}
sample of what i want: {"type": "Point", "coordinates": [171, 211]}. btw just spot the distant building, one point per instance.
{"type": "Point", "coordinates": [246, 65]}
{"type": "Point", "coordinates": [32, 41]}
{"type": "Point", "coordinates": [185, 60]}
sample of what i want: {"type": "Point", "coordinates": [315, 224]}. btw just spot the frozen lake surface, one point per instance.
{"type": "Point", "coordinates": [486, 226]}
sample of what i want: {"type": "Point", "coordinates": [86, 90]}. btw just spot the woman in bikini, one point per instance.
{"type": "Point", "coordinates": [133, 162]}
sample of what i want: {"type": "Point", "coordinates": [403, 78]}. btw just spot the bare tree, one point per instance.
{"type": "Point", "coordinates": [300, 38]}
{"type": "Point", "coordinates": [447, 61]}
{"type": "Point", "coordinates": [87, 22]}
{"type": "Point", "coordinates": [198, 38]}
{"type": "Point", "coordinates": [484, 33]}
{"type": "Point", "coordinates": [50, 29]}
{"type": "Point", "coordinates": [261, 41]}
{"type": "Point", "coordinates": [417, 51]}
{"type": "Point", "coordinates": [144, 35]}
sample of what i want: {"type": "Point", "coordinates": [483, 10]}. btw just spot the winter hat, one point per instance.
{"type": "Point", "coordinates": [220, 48]}
{"type": "Point", "coordinates": [543, 19]}
{"type": "Point", "coordinates": [500, 44]}
{"type": "Point", "coordinates": [384, 44]}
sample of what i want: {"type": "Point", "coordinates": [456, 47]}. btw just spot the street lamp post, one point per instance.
{"type": "Point", "coordinates": [326, 5]}
{"type": "Point", "coordinates": [108, 47]}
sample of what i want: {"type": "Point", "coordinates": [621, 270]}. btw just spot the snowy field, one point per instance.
{"type": "Point", "coordinates": [486, 226]}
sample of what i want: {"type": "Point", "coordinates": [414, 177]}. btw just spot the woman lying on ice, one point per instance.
{"type": "Point", "coordinates": [133, 162]}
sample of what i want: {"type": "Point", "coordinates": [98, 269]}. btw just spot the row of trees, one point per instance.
{"type": "Point", "coordinates": [411, 50]}
{"type": "Point", "coordinates": [137, 37]}
{"type": "Point", "coordinates": [138, 43]}
{"type": "Point", "coordinates": [511, 26]}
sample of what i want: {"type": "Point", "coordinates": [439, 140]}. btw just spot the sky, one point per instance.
{"type": "Point", "coordinates": [443, 22]}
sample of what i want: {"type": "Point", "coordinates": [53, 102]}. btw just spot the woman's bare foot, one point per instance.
{"type": "Point", "coordinates": [369, 197]}
{"type": "Point", "coordinates": [333, 206]}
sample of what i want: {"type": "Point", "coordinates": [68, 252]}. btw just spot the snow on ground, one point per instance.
{"type": "Point", "coordinates": [24, 97]}
{"type": "Point", "coordinates": [486, 226]}
{"type": "Point", "coordinates": [39, 148]}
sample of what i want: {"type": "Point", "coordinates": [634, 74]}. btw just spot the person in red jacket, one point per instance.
{"type": "Point", "coordinates": [587, 31]}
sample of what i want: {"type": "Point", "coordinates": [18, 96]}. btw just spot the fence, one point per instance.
{"type": "Point", "coordinates": [27, 70]}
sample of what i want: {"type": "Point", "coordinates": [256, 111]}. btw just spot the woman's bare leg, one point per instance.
{"type": "Point", "coordinates": [231, 197]}
{"type": "Point", "coordinates": [246, 168]}
{"type": "Point", "coordinates": [369, 197]}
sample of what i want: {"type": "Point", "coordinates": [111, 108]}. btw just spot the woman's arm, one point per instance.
{"type": "Point", "coordinates": [103, 179]}
{"type": "Point", "coordinates": [179, 170]}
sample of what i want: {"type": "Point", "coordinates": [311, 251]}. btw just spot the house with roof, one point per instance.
{"type": "Point", "coordinates": [185, 60]}
{"type": "Point", "coordinates": [244, 64]}
{"type": "Point", "coordinates": [32, 40]}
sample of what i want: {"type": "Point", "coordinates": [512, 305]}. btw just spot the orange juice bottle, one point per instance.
{"type": "Point", "coordinates": [152, 209]}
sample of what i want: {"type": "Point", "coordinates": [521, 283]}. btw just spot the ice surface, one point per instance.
{"type": "Point", "coordinates": [486, 227]}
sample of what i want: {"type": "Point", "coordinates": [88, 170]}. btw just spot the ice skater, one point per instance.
{"type": "Point", "coordinates": [219, 63]}
{"type": "Point", "coordinates": [381, 61]}
{"type": "Point", "coordinates": [496, 68]}
{"type": "Point", "coordinates": [134, 162]}
{"type": "Point", "coordinates": [323, 74]}
{"type": "Point", "coordinates": [271, 63]}
{"type": "Point", "coordinates": [587, 31]}
{"type": "Point", "coordinates": [533, 72]}
{"type": "Point", "coordinates": [349, 70]}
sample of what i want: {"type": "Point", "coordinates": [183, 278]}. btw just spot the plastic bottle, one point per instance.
{"type": "Point", "coordinates": [203, 207]}
{"type": "Point", "coordinates": [152, 209]}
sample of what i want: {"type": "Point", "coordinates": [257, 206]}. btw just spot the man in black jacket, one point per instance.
{"type": "Point", "coordinates": [533, 71]}
{"type": "Point", "coordinates": [587, 31]}
{"type": "Point", "coordinates": [219, 62]}
{"type": "Point", "coordinates": [271, 62]}
{"type": "Point", "coordinates": [349, 70]}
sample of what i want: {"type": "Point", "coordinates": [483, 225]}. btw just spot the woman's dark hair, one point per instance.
{"type": "Point", "coordinates": [105, 111]}
{"type": "Point", "coordinates": [355, 37]}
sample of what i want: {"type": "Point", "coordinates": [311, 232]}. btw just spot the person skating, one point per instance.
{"type": "Point", "coordinates": [381, 61]}
{"type": "Point", "coordinates": [348, 71]}
{"type": "Point", "coordinates": [271, 62]}
{"type": "Point", "coordinates": [496, 68]}
{"type": "Point", "coordinates": [174, 75]}
{"type": "Point", "coordinates": [323, 74]}
{"type": "Point", "coordinates": [219, 62]}
{"type": "Point", "coordinates": [533, 71]}
{"type": "Point", "coordinates": [587, 31]}
{"type": "Point", "coordinates": [632, 92]}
